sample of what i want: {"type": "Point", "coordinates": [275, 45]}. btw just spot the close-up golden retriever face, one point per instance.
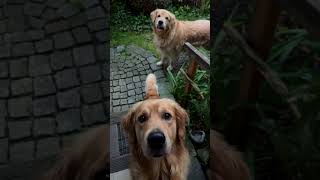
{"type": "Point", "coordinates": [162, 20]}
{"type": "Point", "coordinates": [156, 125]}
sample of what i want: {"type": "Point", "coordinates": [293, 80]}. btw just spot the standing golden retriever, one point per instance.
{"type": "Point", "coordinates": [170, 34]}
{"type": "Point", "coordinates": [156, 132]}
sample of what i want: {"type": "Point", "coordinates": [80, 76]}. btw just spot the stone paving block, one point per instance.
{"type": "Point", "coordinates": [81, 35]}
{"type": "Point", "coordinates": [16, 23]}
{"type": "Point", "coordinates": [21, 86]}
{"type": "Point", "coordinates": [22, 151]}
{"type": "Point", "coordinates": [116, 102]}
{"type": "Point", "coordinates": [3, 127]}
{"type": "Point", "coordinates": [68, 121]}
{"type": "Point", "coordinates": [34, 35]}
{"type": "Point", "coordinates": [23, 49]}
{"type": "Point", "coordinates": [57, 26]}
{"type": "Point", "coordinates": [117, 109]}
{"type": "Point", "coordinates": [102, 52]}
{"type": "Point", "coordinates": [49, 14]}
{"type": "Point", "coordinates": [123, 88]}
{"type": "Point", "coordinates": [131, 93]}
{"type": "Point", "coordinates": [90, 74]}
{"type": "Point", "coordinates": [63, 40]}
{"type": "Point", "coordinates": [131, 100]}
{"type": "Point", "coordinates": [66, 79]}
{"type": "Point", "coordinates": [4, 147]}
{"type": "Point", "coordinates": [3, 26]}
{"type": "Point", "coordinates": [91, 93]}
{"type": "Point", "coordinates": [39, 65]}
{"type": "Point", "coordinates": [11, 10]}
{"type": "Point", "coordinates": [55, 3]}
{"type": "Point", "coordinates": [44, 106]}
{"type": "Point", "coordinates": [3, 108]}
{"type": "Point", "coordinates": [89, 3]}
{"type": "Point", "coordinates": [69, 98]}
{"type": "Point", "coordinates": [4, 71]}
{"type": "Point", "coordinates": [19, 129]}
{"type": "Point", "coordinates": [83, 55]}
{"type": "Point", "coordinates": [36, 23]}
{"type": "Point", "coordinates": [102, 36]}
{"type": "Point", "coordinates": [67, 10]}
{"type": "Point", "coordinates": [44, 45]}
{"type": "Point", "coordinates": [95, 13]}
{"type": "Point", "coordinates": [43, 85]}
{"type": "Point", "coordinates": [20, 106]}
{"type": "Point", "coordinates": [123, 101]}
{"type": "Point", "coordinates": [18, 68]}
{"type": "Point", "coordinates": [43, 126]}
{"type": "Point", "coordinates": [4, 88]}
{"type": "Point", "coordinates": [78, 20]}
{"type": "Point", "coordinates": [47, 147]}
{"type": "Point", "coordinates": [124, 108]}
{"type": "Point", "coordinates": [92, 114]}
{"type": "Point", "coordinates": [5, 50]}
{"type": "Point", "coordinates": [97, 25]}
{"type": "Point", "coordinates": [61, 59]}
{"type": "Point", "coordinates": [33, 9]}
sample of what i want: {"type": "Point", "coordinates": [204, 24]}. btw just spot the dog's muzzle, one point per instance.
{"type": "Point", "coordinates": [160, 25]}
{"type": "Point", "coordinates": [156, 142]}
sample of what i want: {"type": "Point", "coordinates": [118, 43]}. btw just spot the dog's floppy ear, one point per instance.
{"type": "Point", "coordinates": [182, 121]}
{"type": "Point", "coordinates": [151, 87]}
{"type": "Point", "coordinates": [128, 124]}
{"type": "Point", "coordinates": [153, 15]}
{"type": "Point", "coordinates": [172, 19]}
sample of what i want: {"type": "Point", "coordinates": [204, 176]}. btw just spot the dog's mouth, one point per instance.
{"type": "Point", "coordinates": [157, 153]}
{"type": "Point", "coordinates": [160, 28]}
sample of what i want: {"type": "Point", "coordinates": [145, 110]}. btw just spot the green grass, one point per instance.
{"type": "Point", "coordinates": [143, 40]}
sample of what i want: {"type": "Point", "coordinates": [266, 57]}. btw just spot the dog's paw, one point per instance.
{"type": "Point", "coordinates": [159, 63]}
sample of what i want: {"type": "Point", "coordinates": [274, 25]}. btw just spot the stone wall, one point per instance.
{"type": "Point", "coordinates": [53, 75]}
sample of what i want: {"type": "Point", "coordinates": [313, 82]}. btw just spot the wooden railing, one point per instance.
{"type": "Point", "coordinates": [197, 58]}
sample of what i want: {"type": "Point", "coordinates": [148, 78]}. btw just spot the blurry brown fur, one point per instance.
{"type": "Point", "coordinates": [171, 162]}
{"type": "Point", "coordinates": [225, 162]}
{"type": "Point", "coordinates": [87, 159]}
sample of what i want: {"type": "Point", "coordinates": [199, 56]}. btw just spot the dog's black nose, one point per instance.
{"type": "Point", "coordinates": [160, 22]}
{"type": "Point", "coordinates": [156, 140]}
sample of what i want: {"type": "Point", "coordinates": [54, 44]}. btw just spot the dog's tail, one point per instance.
{"type": "Point", "coordinates": [151, 87]}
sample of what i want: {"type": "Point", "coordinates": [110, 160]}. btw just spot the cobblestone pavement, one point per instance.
{"type": "Point", "coordinates": [130, 66]}
{"type": "Point", "coordinates": [52, 77]}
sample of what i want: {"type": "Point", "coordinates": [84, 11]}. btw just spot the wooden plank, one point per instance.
{"type": "Point", "coordinates": [191, 74]}
{"type": "Point", "coordinates": [260, 38]}
{"type": "Point", "coordinates": [201, 59]}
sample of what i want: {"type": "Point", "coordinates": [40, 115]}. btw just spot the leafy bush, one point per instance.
{"type": "Point", "coordinates": [289, 149]}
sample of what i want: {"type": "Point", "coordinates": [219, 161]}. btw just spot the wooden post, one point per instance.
{"type": "Point", "coordinates": [191, 73]}
{"type": "Point", "coordinates": [260, 38]}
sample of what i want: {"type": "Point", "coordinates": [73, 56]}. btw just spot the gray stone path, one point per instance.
{"type": "Point", "coordinates": [130, 66]}
{"type": "Point", "coordinates": [52, 77]}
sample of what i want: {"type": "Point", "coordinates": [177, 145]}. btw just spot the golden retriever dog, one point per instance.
{"type": "Point", "coordinates": [156, 134]}
{"type": "Point", "coordinates": [86, 159]}
{"type": "Point", "coordinates": [170, 34]}
{"type": "Point", "coordinates": [225, 162]}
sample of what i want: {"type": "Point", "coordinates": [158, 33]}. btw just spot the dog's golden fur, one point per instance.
{"type": "Point", "coordinates": [87, 159]}
{"type": "Point", "coordinates": [173, 165]}
{"type": "Point", "coordinates": [170, 38]}
{"type": "Point", "coordinates": [225, 162]}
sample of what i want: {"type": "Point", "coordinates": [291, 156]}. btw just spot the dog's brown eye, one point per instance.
{"type": "Point", "coordinates": [167, 18]}
{"type": "Point", "coordinates": [158, 15]}
{"type": "Point", "coordinates": [142, 118]}
{"type": "Point", "coordinates": [167, 116]}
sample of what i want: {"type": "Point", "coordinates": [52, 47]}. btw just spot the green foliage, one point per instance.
{"type": "Point", "coordinates": [295, 145]}
{"type": "Point", "coordinates": [199, 110]}
{"type": "Point", "coordinates": [124, 20]}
